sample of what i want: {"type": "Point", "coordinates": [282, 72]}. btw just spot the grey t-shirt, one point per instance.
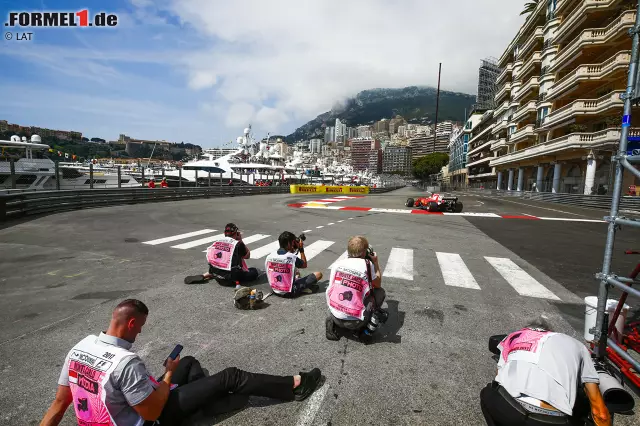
{"type": "Point", "coordinates": [128, 385]}
{"type": "Point", "coordinates": [564, 364]}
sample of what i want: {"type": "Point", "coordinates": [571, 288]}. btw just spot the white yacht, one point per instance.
{"type": "Point", "coordinates": [249, 164]}
{"type": "Point", "coordinates": [34, 171]}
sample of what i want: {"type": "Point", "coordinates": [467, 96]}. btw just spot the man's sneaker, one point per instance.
{"type": "Point", "coordinates": [194, 279]}
{"type": "Point", "coordinates": [308, 384]}
{"type": "Point", "coordinates": [314, 288]}
{"type": "Point", "coordinates": [331, 330]}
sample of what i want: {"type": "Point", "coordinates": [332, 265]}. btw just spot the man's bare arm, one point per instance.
{"type": "Point", "coordinates": [58, 407]}
{"type": "Point", "coordinates": [599, 410]}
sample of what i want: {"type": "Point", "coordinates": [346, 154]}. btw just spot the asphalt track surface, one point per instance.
{"type": "Point", "coordinates": [62, 274]}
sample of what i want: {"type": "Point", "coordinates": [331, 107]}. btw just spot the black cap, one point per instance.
{"type": "Point", "coordinates": [230, 229]}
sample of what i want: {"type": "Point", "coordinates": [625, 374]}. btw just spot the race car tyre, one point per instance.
{"type": "Point", "coordinates": [432, 206]}
{"type": "Point", "coordinates": [458, 207]}
{"type": "Point", "coordinates": [409, 202]}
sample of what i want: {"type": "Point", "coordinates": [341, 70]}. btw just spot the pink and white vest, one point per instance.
{"type": "Point", "coordinates": [220, 253]}
{"type": "Point", "coordinates": [281, 271]}
{"type": "Point", "coordinates": [91, 364]}
{"type": "Point", "coordinates": [524, 345]}
{"type": "Point", "coordinates": [349, 287]}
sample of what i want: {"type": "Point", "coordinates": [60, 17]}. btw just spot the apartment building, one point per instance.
{"type": "Point", "coordinates": [479, 154]}
{"type": "Point", "coordinates": [375, 161]}
{"type": "Point", "coordinates": [558, 108]}
{"type": "Point", "coordinates": [360, 149]}
{"type": "Point", "coordinates": [396, 159]}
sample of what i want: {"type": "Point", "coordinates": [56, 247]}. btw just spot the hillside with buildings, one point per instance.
{"type": "Point", "coordinates": [417, 105]}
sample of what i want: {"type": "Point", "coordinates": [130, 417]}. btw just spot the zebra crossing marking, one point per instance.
{"type": "Point", "coordinates": [178, 237]}
{"type": "Point", "coordinates": [400, 264]}
{"type": "Point", "coordinates": [521, 281]}
{"type": "Point", "coordinates": [454, 271]}
{"type": "Point", "coordinates": [196, 243]}
{"type": "Point", "coordinates": [317, 247]}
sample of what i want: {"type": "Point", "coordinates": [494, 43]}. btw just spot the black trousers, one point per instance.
{"type": "Point", "coordinates": [378, 296]}
{"type": "Point", "coordinates": [236, 274]}
{"type": "Point", "coordinates": [196, 391]}
{"type": "Point", "coordinates": [498, 412]}
{"type": "Point", "coordinates": [300, 284]}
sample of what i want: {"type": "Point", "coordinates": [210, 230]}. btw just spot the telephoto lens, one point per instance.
{"type": "Point", "coordinates": [302, 237]}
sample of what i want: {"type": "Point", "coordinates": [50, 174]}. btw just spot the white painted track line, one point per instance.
{"type": "Point", "coordinates": [196, 243]}
{"type": "Point", "coordinates": [454, 271]}
{"type": "Point", "coordinates": [342, 256]}
{"type": "Point", "coordinates": [264, 250]}
{"type": "Point", "coordinates": [315, 248]}
{"type": "Point", "coordinates": [522, 282]}
{"type": "Point", "coordinates": [179, 237]}
{"type": "Point", "coordinates": [400, 264]}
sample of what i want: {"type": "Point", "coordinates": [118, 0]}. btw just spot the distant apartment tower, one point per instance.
{"type": "Point", "coordinates": [396, 159]}
{"type": "Point", "coordinates": [360, 152]}
{"type": "Point", "coordinates": [375, 161]}
{"type": "Point", "coordinates": [315, 146]}
{"type": "Point", "coordinates": [396, 122]}
{"type": "Point", "coordinates": [381, 126]}
{"type": "Point", "coordinates": [423, 144]}
{"type": "Point", "coordinates": [341, 130]}
{"type": "Point", "coordinates": [364, 132]}
{"type": "Point", "coordinates": [329, 134]}
{"type": "Point", "coordinates": [487, 76]}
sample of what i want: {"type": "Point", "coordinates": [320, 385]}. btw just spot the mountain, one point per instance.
{"type": "Point", "coordinates": [415, 104]}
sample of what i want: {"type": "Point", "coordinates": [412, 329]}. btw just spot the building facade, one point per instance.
{"type": "Point", "coordinates": [375, 161]}
{"type": "Point", "coordinates": [360, 149]}
{"type": "Point", "coordinates": [480, 174]}
{"type": "Point", "coordinates": [558, 107]}
{"type": "Point", "coordinates": [397, 159]}
{"type": "Point", "coordinates": [487, 75]}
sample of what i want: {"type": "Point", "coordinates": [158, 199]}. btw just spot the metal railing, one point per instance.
{"type": "Point", "coordinates": [38, 202]}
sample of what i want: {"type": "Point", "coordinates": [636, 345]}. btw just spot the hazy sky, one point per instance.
{"type": "Point", "coordinates": [201, 70]}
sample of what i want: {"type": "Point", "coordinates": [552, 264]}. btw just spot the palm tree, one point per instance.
{"type": "Point", "coordinates": [529, 7]}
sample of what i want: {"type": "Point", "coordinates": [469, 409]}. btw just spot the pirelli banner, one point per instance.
{"type": "Point", "coordinates": [313, 189]}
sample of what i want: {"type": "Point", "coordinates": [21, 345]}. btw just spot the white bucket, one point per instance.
{"type": "Point", "coordinates": [591, 303]}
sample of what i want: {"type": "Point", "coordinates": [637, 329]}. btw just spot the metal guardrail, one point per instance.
{"type": "Point", "coordinates": [579, 200]}
{"type": "Point", "coordinates": [29, 203]}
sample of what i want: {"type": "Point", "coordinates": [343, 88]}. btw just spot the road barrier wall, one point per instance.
{"type": "Point", "coordinates": [317, 189]}
{"type": "Point", "coordinates": [37, 202]}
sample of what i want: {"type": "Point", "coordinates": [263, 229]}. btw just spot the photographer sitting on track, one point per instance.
{"type": "Point", "coordinates": [226, 261]}
{"type": "Point", "coordinates": [281, 268]}
{"type": "Point", "coordinates": [354, 295]}
{"type": "Point", "coordinates": [108, 384]}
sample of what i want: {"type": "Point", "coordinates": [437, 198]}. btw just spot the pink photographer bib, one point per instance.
{"type": "Point", "coordinates": [220, 253]}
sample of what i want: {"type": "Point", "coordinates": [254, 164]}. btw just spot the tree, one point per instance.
{"type": "Point", "coordinates": [529, 7]}
{"type": "Point", "coordinates": [429, 164]}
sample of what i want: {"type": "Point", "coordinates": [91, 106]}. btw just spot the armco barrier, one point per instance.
{"type": "Point", "coordinates": [316, 189]}
{"type": "Point", "coordinates": [26, 203]}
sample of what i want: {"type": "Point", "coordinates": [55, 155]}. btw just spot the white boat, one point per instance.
{"type": "Point", "coordinates": [33, 171]}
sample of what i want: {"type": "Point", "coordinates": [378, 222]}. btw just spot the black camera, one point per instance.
{"type": "Point", "coordinates": [300, 238]}
{"type": "Point", "coordinates": [369, 253]}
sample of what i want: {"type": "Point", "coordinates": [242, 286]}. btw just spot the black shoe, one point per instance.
{"type": "Point", "coordinates": [383, 315]}
{"type": "Point", "coordinates": [308, 384]}
{"type": "Point", "coordinates": [314, 288]}
{"type": "Point", "coordinates": [195, 279]}
{"type": "Point", "coordinates": [331, 332]}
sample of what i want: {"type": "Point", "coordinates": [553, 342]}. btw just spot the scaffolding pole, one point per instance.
{"type": "Point", "coordinates": [621, 162]}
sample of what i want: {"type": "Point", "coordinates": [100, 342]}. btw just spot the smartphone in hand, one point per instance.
{"type": "Point", "coordinates": [174, 353]}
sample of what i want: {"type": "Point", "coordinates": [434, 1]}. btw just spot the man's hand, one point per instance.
{"type": "Point", "coordinates": [151, 407]}
{"type": "Point", "coordinates": [170, 367]}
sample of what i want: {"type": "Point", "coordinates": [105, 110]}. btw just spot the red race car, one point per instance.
{"type": "Point", "coordinates": [436, 203]}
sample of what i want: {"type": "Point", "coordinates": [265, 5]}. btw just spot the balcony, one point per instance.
{"type": "Point", "coordinates": [619, 61]}
{"type": "Point", "coordinates": [531, 84]}
{"type": "Point", "coordinates": [578, 14]}
{"type": "Point", "coordinates": [525, 109]}
{"type": "Point", "coordinates": [481, 175]}
{"type": "Point", "coordinates": [481, 134]}
{"type": "Point", "coordinates": [593, 37]}
{"type": "Point", "coordinates": [506, 88]}
{"type": "Point", "coordinates": [482, 160]}
{"type": "Point", "coordinates": [497, 144]}
{"type": "Point", "coordinates": [480, 147]}
{"type": "Point", "coordinates": [501, 108]}
{"type": "Point", "coordinates": [572, 141]}
{"type": "Point", "coordinates": [530, 63]}
{"type": "Point", "coordinates": [537, 34]}
{"type": "Point", "coordinates": [500, 125]}
{"type": "Point", "coordinates": [506, 71]}
{"type": "Point", "coordinates": [521, 134]}
{"type": "Point", "coordinates": [583, 107]}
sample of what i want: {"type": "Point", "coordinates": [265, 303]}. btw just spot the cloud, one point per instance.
{"type": "Point", "coordinates": [306, 55]}
{"type": "Point", "coordinates": [239, 114]}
